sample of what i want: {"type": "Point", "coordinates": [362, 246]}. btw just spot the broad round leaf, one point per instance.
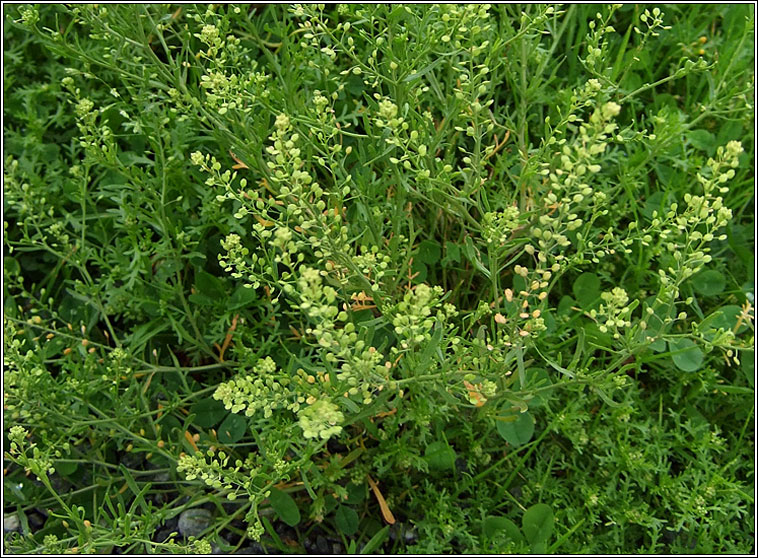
{"type": "Point", "coordinates": [537, 523]}
{"type": "Point", "coordinates": [519, 283]}
{"type": "Point", "coordinates": [242, 297]}
{"type": "Point", "coordinates": [748, 366]}
{"type": "Point", "coordinates": [685, 354]}
{"type": "Point", "coordinates": [452, 254]}
{"type": "Point", "coordinates": [728, 317]}
{"type": "Point", "coordinates": [702, 139]}
{"type": "Point", "coordinates": [285, 507]}
{"type": "Point", "coordinates": [419, 267]}
{"type": "Point", "coordinates": [429, 252]}
{"type": "Point", "coordinates": [208, 412]}
{"type": "Point", "coordinates": [65, 468]}
{"type": "Point", "coordinates": [586, 289]}
{"type": "Point", "coordinates": [517, 432]}
{"type": "Point", "coordinates": [565, 305]}
{"type": "Point", "coordinates": [440, 456]}
{"type": "Point", "coordinates": [356, 493]}
{"type": "Point", "coordinates": [347, 520]}
{"type": "Point", "coordinates": [538, 378]}
{"type": "Point", "coordinates": [655, 321]}
{"type": "Point", "coordinates": [709, 283]}
{"type": "Point", "coordinates": [209, 285]}
{"type": "Point", "coordinates": [330, 503]}
{"type": "Point", "coordinates": [494, 524]}
{"type": "Point", "coordinates": [659, 201]}
{"type": "Point", "coordinates": [232, 429]}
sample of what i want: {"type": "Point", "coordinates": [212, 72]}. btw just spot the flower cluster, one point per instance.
{"type": "Point", "coordinates": [226, 90]}
{"type": "Point", "coordinates": [597, 41]}
{"type": "Point", "coordinates": [360, 366]}
{"type": "Point", "coordinates": [411, 151]}
{"type": "Point", "coordinates": [328, 132]}
{"type": "Point", "coordinates": [387, 115]}
{"type": "Point", "coordinates": [363, 371]}
{"type": "Point", "coordinates": [654, 21]}
{"type": "Point", "coordinates": [572, 200]}
{"type": "Point", "coordinates": [317, 300]}
{"type": "Point", "coordinates": [498, 226]}
{"type": "Point", "coordinates": [96, 137]}
{"type": "Point", "coordinates": [258, 391]}
{"type": "Point", "coordinates": [464, 24]}
{"type": "Point", "coordinates": [414, 316]}
{"type": "Point", "coordinates": [235, 260]}
{"type": "Point", "coordinates": [321, 419]}
{"type": "Point", "coordinates": [372, 263]}
{"type": "Point", "coordinates": [40, 463]}
{"type": "Point", "coordinates": [614, 313]}
{"type": "Point", "coordinates": [215, 471]}
{"type": "Point", "coordinates": [683, 236]}
{"type": "Point", "coordinates": [301, 199]}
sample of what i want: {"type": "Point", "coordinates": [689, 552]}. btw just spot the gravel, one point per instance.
{"type": "Point", "coordinates": [11, 523]}
{"type": "Point", "coordinates": [194, 521]}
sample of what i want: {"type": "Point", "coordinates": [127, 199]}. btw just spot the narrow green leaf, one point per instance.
{"type": "Point", "coordinates": [139, 494]}
{"type": "Point", "coordinates": [473, 255]}
{"type": "Point", "coordinates": [748, 366]}
{"type": "Point", "coordinates": [274, 535]}
{"type": "Point", "coordinates": [423, 71]}
{"type": "Point", "coordinates": [376, 541]}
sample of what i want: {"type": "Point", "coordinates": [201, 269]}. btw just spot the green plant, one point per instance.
{"type": "Point", "coordinates": [477, 273]}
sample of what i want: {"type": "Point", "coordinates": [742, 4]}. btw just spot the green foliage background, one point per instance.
{"type": "Point", "coordinates": [482, 273]}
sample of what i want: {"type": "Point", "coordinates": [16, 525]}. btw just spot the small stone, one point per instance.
{"type": "Point", "coordinates": [193, 522]}
{"type": "Point", "coordinates": [403, 531]}
{"type": "Point", "coordinates": [285, 532]}
{"type": "Point", "coordinates": [36, 520]}
{"type": "Point", "coordinates": [60, 485]}
{"type": "Point", "coordinates": [322, 546]}
{"type": "Point", "coordinates": [216, 548]}
{"type": "Point", "coordinates": [410, 535]}
{"type": "Point", "coordinates": [133, 460]}
{"type": "Point", "coordinates": [11, 523]}
{"type": "Point", "coordinates": [336, 447]}
{"type": "Point", "coordinates": [161, 477]}
{"type": "Point", "coordinates": [394, 529]}
{"type": "Point", "coordinates": [255, 549]}
{"type": "Point", "coordinates": [165, 529]}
